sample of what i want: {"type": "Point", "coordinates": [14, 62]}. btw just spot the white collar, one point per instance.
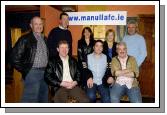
{"type": "Point", "coordinates": [64, 59]}
{"type": "Point", "coordinates": [61, 27]}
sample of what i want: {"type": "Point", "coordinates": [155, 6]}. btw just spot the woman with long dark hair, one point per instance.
{"type": "Point", "coordinates": [85, 47]}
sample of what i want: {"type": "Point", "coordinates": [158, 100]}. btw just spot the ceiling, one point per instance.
{"type": "Point", "coordinates": [21, 8]}
{"type": "Point", "coordinates": [71, 8]}
{"type": "Point", "coordinates": [28, 8]}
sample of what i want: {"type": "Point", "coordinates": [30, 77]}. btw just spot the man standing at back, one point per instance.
{"type": "Point", "coordinates": [60, 33]}
{"type": "Point", "coordinates": [136, 45]}
{"type": "Point", "coordinates": [30, 57]}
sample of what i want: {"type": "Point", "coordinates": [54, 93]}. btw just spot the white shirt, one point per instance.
{"type": "Point", "coordinates": [123, 80]}
{"type": "Point", "coordinates": [61, 27]}
{"type": "Point", "coordinates": [66, 70]}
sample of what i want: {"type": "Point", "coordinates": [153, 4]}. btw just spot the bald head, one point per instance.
{"type": "Point", "coordinates": [36, 25]}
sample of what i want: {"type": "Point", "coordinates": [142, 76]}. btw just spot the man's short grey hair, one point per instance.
{"type": "Point", "coordinates": [121, 44]}
{"type": "Point", "coordinates": [31, 21]}
{"type": "Point", "coordinates": [132, 22]}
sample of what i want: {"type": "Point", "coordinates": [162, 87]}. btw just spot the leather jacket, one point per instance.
{"type": "Point", "coordinates": [54, 72]}
{"type": "Point", "coordinates": [83, 51]}
{"type": "Point", "coordinates": [23, 53]}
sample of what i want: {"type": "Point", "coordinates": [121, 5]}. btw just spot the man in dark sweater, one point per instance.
{"type": "Point", "coordinates": [60, 33]}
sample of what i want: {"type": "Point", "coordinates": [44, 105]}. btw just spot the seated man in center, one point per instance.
{"type": "Point", "coordinates": [63, 75]}
{"type": "Point", "coordinates": [97, 79]}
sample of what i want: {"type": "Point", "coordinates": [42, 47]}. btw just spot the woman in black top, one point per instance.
{"type": "Point", "coordinates": [85, 47]}
{"type": "Point", "coordinates": [109, 48]}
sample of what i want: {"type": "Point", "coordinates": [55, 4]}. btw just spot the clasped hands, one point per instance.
{"type": "Point", "coordinates": [68, 85]}
{"type": "Point", "coordinates": [125, 72]}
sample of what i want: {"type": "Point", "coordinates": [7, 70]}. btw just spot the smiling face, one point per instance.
{"type": "Point", "coordinates": [131, 29]}
{"type": "Point", "coordinates": [64, 21]}
{"type": "Point", "coordinates": [122, 51]}
{"type": "Point", "coordinates": [87, 33]}
{"type": "Point", "coordinates": [110, 37]}
{"type": "Point", "coordinates": [98, 48]}
{"type": "Point", "coordinates": [37, 25]}
{"type": "Point", "coordinates": [63, 50]}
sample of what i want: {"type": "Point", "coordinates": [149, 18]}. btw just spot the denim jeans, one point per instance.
{"type": "Point", "coordinates": [117, 91]}
{"type": "Point", "coordinates": [35, 88]}
{"type": "Point", "coordinates": [102, 90]}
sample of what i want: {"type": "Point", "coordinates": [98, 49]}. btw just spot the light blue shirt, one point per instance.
{"type": "Point", "coordinates": [98, 66]}
{"type": "Point", "coordinates": [136, 47]}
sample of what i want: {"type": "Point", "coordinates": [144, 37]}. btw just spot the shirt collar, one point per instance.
{"type": "Point", "coordinates": [123, 58]}
{"type": "Point", "coordinates": [95, 54]}
{"type": "Point", "coordinates": [36, 35]}
{"type": "Point", "coordinates": [64, 59]}
{"type": "Point", "coordinates": [61, 27]}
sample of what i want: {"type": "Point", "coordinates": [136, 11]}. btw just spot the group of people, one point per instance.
{"type": "Point", "coordinates": [107, 68]}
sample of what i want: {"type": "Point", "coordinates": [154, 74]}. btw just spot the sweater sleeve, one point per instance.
{"type": "Point", "coordinates": [17, 54]}
{"type": "Point", "coordinates": [143, 52]}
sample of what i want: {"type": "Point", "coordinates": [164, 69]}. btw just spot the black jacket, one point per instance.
{"type": "Point", "coordinates": [23, 53]}
{"type": "Point", "coordinates": [105, 50]}
{"type": "Point", "coordinates": [57, 34]}
{"type": "Point", "coordinates": [54, 72]}
{"type": "Point", "coordinates": [84, 50]}
{"type": "Point", "coordinates": [114, 53]}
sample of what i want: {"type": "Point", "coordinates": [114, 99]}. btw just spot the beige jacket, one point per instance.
{"type": "Point", "coordinates": [130, 64]}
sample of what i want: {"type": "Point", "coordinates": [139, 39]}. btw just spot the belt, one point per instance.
{"type": "Point", "coordinates": [39, 68]}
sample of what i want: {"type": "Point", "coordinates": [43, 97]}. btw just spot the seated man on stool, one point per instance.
{"type": "Point", "coordinates": [63, 75]}
{"type": "Point", "coordinates": [126, 71]}
{"type": "Point", "coordinates": [97, 78]}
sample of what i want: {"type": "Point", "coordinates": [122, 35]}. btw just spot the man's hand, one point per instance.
{"type": "Point", "coordinates": [64, 84]}
{"type": "Point", "coordinates": [124, 72]}
{"type": "Point", "coordinates": [90, 83]}
{"type": "Point", "coordinates": [68, 85]}
{"type": "Point", "coordinates": [110, 80]}
{"type": "Point", "coordinates": [128, 73]}
{"type": "Point", "coordinates": [84, 64]}
{"type": "Point", "coordinates": [73, 84]}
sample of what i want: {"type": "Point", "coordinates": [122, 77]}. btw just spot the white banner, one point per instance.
{"type": "Point", "coordinates": [98, 18]}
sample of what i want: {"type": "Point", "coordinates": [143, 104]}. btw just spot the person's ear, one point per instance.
{"type": "Point", "coordinates": [60, 22]}
{"type": "Point", "coordinates": [57, 49]}
{"type": "Point", "coordinates": [117, 50]}
{"type": "Point", "coordinates": [31, 25]}
{"type": "Point", "coordinates": [93, 47]}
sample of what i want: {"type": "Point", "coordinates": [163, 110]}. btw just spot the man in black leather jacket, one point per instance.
{"type": "Point", "coordinates": [63, 75]}
{"type": "Point", "coordinates": [30, 57]}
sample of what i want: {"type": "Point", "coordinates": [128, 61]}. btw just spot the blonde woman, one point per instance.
{"type": "Point", "coordinates": [109, 49]}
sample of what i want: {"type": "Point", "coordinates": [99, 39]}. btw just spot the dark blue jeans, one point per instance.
{"type": "Point", "coordinates": [35, 88]}
{"type": "Point", "coordinates": [102, 90]}
{"type": "Point", "coordinates": [117, 91]}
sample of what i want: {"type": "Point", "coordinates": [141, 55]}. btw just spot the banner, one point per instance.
{"type": "Point", "coordinates": [98, 18]}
